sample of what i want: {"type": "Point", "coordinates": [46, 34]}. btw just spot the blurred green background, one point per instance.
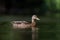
{"type": "Point", "coordinates": [49, 25]}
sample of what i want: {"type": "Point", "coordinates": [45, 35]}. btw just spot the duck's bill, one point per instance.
{"type": "Point", "coordinates": [37, 18]}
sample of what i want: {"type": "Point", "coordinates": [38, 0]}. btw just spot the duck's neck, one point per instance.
{"type": "Point", "coordinates": [33, 22]}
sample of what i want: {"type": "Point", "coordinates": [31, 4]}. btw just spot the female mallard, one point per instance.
{"type": "Point", "coordinates": [25, 24]}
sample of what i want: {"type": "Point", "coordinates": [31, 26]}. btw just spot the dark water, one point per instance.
{"type": "Point", "coordinates": [47, 29]}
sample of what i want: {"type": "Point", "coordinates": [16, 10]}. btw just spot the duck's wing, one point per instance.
{"type": "Point", "coordinates": [17, 22]}
{"type": "Point", "coordinates": [26, 22]}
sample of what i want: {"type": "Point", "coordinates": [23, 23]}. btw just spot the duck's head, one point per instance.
{"type": "Point", "coordinates": [34, 17]}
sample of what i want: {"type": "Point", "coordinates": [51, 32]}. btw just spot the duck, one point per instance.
{"type": "Point", "coordinates": [25, 24]}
